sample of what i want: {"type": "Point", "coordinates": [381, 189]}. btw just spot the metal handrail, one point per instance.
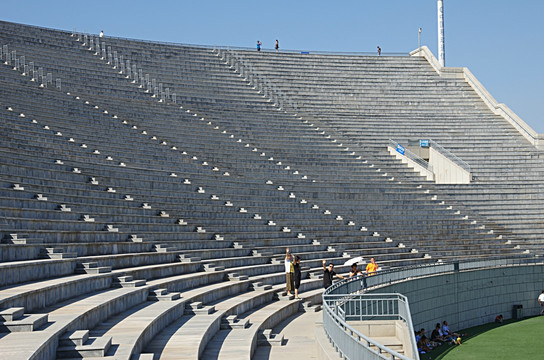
{"type": "Point", "coordinates": [412, 156]}
{"type": "Point", "coordinates": [331, 317]}
{"type": "Point", "coordinates": [463, 164]}
{"type": "Point", "coordinates": [442, 150]}
{"type": "Point", "coordinates": [348, 288]}
{"type": "Point", "coordinates": [354, 285]}
{"type": "Point", "coordinates": [371, 307]}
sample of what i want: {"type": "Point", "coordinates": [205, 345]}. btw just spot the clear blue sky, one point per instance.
{"type": "Point", "coordinates": [500, 41]}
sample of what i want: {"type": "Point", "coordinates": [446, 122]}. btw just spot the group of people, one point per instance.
{"type": "Point", "coordinates": [329, 273]}
{"type": "Point", "coordinates": [440, 335]}
{"type": "Point", "coordinates": [276, 45]}
{"type": "Point", "coordinates": [443, 334]}
{"type": "Point", "coordinates": [293, 274]}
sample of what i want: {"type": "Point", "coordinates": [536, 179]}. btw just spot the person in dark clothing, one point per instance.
{"type": "Point", "coordinates": [298, 275]}
{"type": "Point", "coordinates": [436, 335]}
{"type": "Point", "coordinates": [328, 274]}
{"type": "Point", "coordinates": [354, 271]}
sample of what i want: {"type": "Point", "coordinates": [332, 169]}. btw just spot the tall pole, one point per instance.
{"type": "Point", "coordinates": [441, 46]}
{"type": "Point", "coordinates": [419, 39]}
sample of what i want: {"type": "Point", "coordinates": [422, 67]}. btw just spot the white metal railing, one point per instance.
{"type": "Point", "coordinates": [463, 164]}
{"type": "Point", "coordinates": [354, 345]}
{"type": "Point", "coordinates": [341, 308]}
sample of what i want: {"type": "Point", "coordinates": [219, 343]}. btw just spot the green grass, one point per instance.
{"type": "Point", "coordinates": [510, 340]}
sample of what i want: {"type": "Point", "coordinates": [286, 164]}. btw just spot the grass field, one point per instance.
{"type": "Point", "coordinates": [511, 340]}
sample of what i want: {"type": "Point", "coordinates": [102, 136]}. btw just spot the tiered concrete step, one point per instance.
{"type": "Point", "coordinates": [213, 267]}
{"type": "Point", "coordinates": [188, 258]}
{"type": "Point", "coordinates": [244, 342]}
{"type": "Point", "coordinates": [232, 322]}
{"type": "Point", "coordinates": [237, 277]}
{"type": "Point", "coordinates": [299, 338]}
{"type": "Point", "coordinates": [196, 307]}
{"type": "Point", "coordinates": [162, 295]}
{"type": "Point", "coordinates": [14, 320]}
{"type": "Point", "coordinates": [267, 337]}
{"type": "Point", "coordinates": [390, 342]}
{"type": "Point", "coordinates": [188, 336]}
{"type": "Point", "coordinates": [127, 281]}
{"type": "Point", "coordinates": [164, 248]}
{"type": "Point", "coordinates": [57, 253]}
{"type": "Point", "coordinates": [21, 239]}
{"type": "Point", "coordinates": [259, 286]}
{"type": "Point", "coordinates": [92, 268]}
{"type": "Point", "coordinates": [78, 344]}
{"type": "Point", "coordinates": [129, 332]}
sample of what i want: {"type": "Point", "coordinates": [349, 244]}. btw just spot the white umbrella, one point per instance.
{"type": "Point", "coordinates": [355, 260]}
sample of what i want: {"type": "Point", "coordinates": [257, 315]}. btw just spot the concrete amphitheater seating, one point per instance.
{"type": "Point", "coordinates": [371, 100]}
{"type": "Point", "coordinates": [134, 225]}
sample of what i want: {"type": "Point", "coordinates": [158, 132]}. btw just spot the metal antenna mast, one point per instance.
{"type": "Point", "coordinates": [441, 46]}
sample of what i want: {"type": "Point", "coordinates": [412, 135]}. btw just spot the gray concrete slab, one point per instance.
{"type": "Point", "coordinates": [299, 339]}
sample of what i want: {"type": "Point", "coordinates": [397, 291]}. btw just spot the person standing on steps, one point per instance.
{"type": "Point", "coordinates": [297, 274]}
{"type": "Point", "coordinates": [277, 46]}
{"type": "Point", "coordinates": [379, 50]}
{"type": "Point", "coordinates": [371, 267]}
{"type": "Point", "coordinates": [289, 273]}
{"type": "Point", "coordinates": [259, 44]}
{"type": "Point", "coordinates": [328, 274]}
{"type": "Point", "coordinates": [101, 33]}
{"type": "Point", "coordinates": [354, 271]}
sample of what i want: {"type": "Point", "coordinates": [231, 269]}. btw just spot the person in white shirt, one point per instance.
{"type": "Point", "coordinates": [289, 272]}
{"type": "Point", "coordinates": [541, 302]}
{"type": "Point", "coordinates": [101, 33]}
{"type": "Point", "coordinates": [446, 330]}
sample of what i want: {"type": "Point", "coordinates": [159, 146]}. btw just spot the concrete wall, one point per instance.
{"type": "Point", "coordinates": [446, 171]}
{"type": "Point", "coordinates": [471, 298]}
{"type": "Point", "coordinates": [422, 152]}
{"type": "Point", "coordinates": [386, 329]}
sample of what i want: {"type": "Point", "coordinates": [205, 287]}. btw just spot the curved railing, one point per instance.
{"type": "Point", "coordinates": [354, 345]}
{"type": "Point", "coordinates": [351, 344]}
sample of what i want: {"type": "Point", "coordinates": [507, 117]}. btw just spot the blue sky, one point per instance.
{"type": "Point", "coordinates": [500, 41]}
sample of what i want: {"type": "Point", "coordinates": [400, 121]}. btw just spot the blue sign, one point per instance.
{"type": "Point", "coordinates": [424, 143]}
{"type": "Point", "coordinates": [400, 149]}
